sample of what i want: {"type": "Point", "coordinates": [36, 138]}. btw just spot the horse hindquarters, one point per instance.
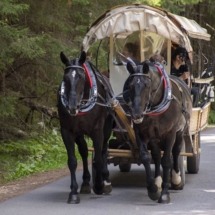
{"type": "Point", "coordinates": [72, 164]}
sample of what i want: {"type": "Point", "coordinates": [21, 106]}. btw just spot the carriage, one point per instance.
{"type": "Point", "coordinates": [155, 31]}
{"type": "Point", "coordinates": [152, 110]}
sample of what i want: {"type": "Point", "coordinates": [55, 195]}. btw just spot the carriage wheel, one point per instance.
{"type": "Point", "coordinates": [93, 169]}
{"type": "Point", "coordinates": [125, 167]}
{"type": "Point", "coordinates": [193, 162]}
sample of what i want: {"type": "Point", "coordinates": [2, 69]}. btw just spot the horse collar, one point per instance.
{"type": "Point", "coordinates": [164, 105]}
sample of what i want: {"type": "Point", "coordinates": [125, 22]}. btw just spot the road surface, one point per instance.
{"type": "Point", "coordinates": [129, 195]}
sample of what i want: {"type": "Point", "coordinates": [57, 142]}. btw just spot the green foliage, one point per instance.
{"type": "Point", "coordinates": [177, 6]}
{"type": "Point", "coordinates": [211, 119]}
{"type": "Point", "coordinates": [25, 157]}
{"type": "Point", "coordinates": [12, 8]}
{"type": "Point", "coordinates": [7, 105]}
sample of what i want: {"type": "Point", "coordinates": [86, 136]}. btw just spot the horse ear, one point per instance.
{"type": "Point", "coordinates": [82, 57]}
{"type": "Point", "coordinates": [63, 58]}
{"type": "Point", "coordinates": [145, 68]}
{"type": "Point", "coordinates": [130, 68]}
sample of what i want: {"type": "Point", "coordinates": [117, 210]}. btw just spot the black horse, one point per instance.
{"type": "Point", "coordinates": [82, 88]}
{"type": "Point", "coordinates": [160, 110]}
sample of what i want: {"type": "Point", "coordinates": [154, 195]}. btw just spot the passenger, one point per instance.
{"type": "Point", "coordinates": [179, 66]}
{"type": "Point", "coordinates": [130, 52]}
{"type": "Point", "coordinates": [180, 69]}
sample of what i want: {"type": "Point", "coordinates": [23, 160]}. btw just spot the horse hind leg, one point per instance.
{"type": "Point", "coordinates": [72, 164]}
{"type": "Point", "coordinates": [83, 150]}
{"type": "Point", "coordinates": [98, 186]}
{"type": "Point", "coordinates": [176, 180]}
{"type": "Point", "coordinates": [105, 173]}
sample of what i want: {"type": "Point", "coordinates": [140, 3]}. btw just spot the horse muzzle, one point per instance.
{"type": "Point", "coordinates": [137, 115]}
{"type": "Point", "coordinates": [138, 121]}
{"type": "Point", "coordinates": [72, 112]}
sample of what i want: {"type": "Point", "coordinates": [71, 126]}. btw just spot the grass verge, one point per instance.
{"type": "Point", "coordinates": [25, 157]}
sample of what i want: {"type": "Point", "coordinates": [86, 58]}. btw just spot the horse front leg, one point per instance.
{"type": "Point", "coordinates": [83, 150]}
{"type": "Point", "coordinates": [176, 182]}
{"type": "Point", "coordinates": [156, 156]}
{"type": "Point", "coordinates": [166, 165]}
{"type": "Point", "coordinates": [98, 186]}
{"type": "Point", "coordinates": [145, 157]}
{"type": "Point", "coordinates": [72, 164]}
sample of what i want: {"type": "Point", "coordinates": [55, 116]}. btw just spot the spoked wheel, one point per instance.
{"type": "Point", "coordinates": [125, 167]}
{"type": "Point", "coordinates": [193, 162]}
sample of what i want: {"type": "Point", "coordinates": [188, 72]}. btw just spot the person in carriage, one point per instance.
{"type": "Point", "coordinates": [180, 69]}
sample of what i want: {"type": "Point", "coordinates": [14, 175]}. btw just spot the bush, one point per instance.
{"type": "Point", "coordinates": [211, 119]}
{"type": "Point", "coordinates": [25, 157]}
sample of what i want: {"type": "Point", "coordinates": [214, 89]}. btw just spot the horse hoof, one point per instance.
{"type": "Point", "coordinates": [165, 199]}
{"type": "Point", "coordinates": [107, 188]}
{"type": "Point", "coordinates": [73, 199]}
{"type": "Point", "coordinates": [177, 187]}
{"type": "Point", "coordinates": [154, 196]}
{"type": "Point", "coordinates": [98, 191]}
{"type": "Point", "coordinates": [85, 189]}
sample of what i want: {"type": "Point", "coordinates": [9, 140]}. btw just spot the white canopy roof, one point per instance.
{"type": "Point", "coordinates": [130, 18]}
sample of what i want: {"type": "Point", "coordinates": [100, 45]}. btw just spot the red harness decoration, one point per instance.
{"type": "Point", "coordinates": [165, 86]}
{"type": "Point", "coordinates": [90, 83]}
{"type": "Point", "coordinates": [88, 75]}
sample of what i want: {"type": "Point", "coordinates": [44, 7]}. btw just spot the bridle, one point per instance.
{"type": "Point", "coordinates": [149, 96]}
{"type": "Point", "coordinates": [163, 106]}
{"type": "Point", "coordinates": [85, 104]}
{"type": "Point", "coordinates": [63, 95]}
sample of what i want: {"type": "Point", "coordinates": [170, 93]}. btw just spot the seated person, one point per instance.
{"type": "Point", "coordinates": [130, 52]}
{"type": "Point", "coordinates": [180, 69]}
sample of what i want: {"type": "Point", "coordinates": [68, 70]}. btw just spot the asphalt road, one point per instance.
{"type": "Point", "coordinates": [129, 195]}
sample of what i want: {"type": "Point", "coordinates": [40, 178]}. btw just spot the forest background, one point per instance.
{"type": "Point", "coordinates": [32, 35]}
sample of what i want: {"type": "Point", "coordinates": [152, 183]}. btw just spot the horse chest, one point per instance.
{"type": "Point", "coordinates": [153, 127]}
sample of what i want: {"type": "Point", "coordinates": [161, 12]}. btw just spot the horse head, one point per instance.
{"type": "Point", "coordinates": [139, 87]}
{"type": "Point", "coordinates": [73, 82]}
